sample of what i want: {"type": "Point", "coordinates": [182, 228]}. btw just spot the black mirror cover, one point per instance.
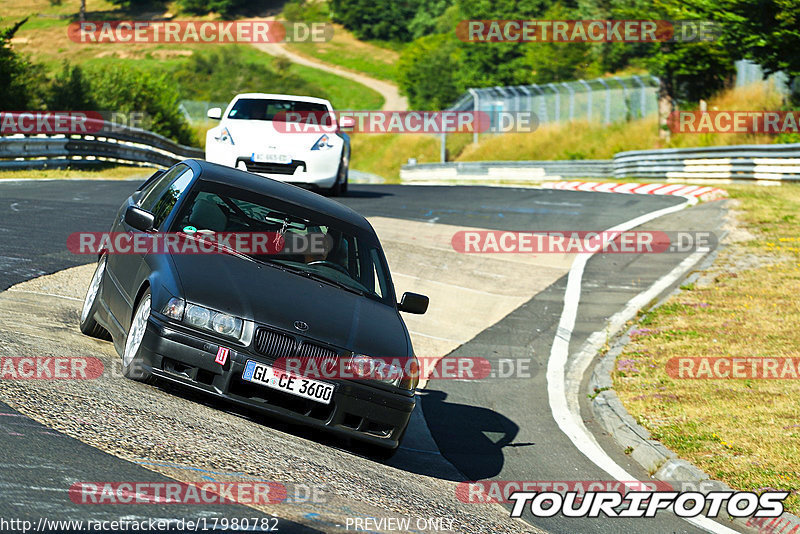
{"type": "Point", "coordinates": [139, 219]}
{"type": "Point", "coordinates": [413, 303]}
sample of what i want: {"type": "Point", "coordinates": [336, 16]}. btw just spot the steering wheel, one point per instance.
{"type": "Point", "coordinates": [331, 265]}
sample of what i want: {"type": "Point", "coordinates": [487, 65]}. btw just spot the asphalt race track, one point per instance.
{"type": "Point", "coordinates": [492, 429]}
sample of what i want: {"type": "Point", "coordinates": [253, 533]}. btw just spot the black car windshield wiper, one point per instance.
{"type": "Point", "coordinates": [324, 279]}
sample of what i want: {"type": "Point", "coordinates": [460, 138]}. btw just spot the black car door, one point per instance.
{"type": "Point", "coordinates": [126, 270]}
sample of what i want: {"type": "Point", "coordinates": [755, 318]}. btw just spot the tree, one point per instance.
{"type": "Point", "coordinates": [23, 82]}
{"type": "Point", "coordinates": [376, 19]}
{"type": "Point", "coordinates": [133, 91]}
{"type": "Point", "coordinates": [427, 72]}
{"type": "Point", "coordinates": [70, 90]}
{"type": "Point", "coordinates": [764, 31]}
{"type": "Point", "coordinates": [558, 62]}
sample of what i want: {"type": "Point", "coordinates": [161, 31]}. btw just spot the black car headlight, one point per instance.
{"type": "Point", "coordinates": [385, 370]}
{"type": "Point", "coordinates": [203, 318]}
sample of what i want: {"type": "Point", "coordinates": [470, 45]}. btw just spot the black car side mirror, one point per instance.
{"type": "Point", "coordinates": [413, 303]}
{"type": "Point", "coordinates": [139, 219]}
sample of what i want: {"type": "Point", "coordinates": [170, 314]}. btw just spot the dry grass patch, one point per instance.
{"type": "Point", "coordinates": [105, 173]}
{"type": "Point", "coordinates": [745, 432]}
{"type": "Point", "coordinates": [384, 154]}
{"type": "Point", "coordinates": [583, 140]}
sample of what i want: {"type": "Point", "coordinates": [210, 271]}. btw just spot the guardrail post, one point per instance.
{"type": "Point", "coordinates": [557, 103]}
{"type": "Point", "coordinates": [642, 94]}
{"type": "Point", "coordinates": [571, 100]}
{"type": "Point", "coordinates": [476, 110]}
{"type": "Point", "coordinates": [588, 100]}
{"type": "Point", "coordinates": [608, 100]}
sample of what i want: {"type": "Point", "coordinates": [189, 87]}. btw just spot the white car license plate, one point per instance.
{"type": "Point", "coordinates": [290, 383]}
{"type": "Point", "coordinates": [270, 157]}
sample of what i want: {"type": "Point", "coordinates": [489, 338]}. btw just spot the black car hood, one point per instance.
{"type": "Point", "coordinates": [271, 296]}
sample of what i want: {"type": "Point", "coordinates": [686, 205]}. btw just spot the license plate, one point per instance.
{"type": "Point", "coordinates": [288, 382]}
{"type": "Point", "coordinates": [270, 157]}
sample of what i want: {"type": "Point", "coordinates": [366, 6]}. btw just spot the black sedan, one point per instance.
{"type": "Point", "coordinates": [220, 322]}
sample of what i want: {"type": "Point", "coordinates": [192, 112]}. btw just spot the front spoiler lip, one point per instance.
{"type": "Point", "coordinates": [350, 391]}
{"type": "Point", "coordinates": [277, 412]}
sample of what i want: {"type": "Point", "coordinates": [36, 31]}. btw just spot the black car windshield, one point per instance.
{"type": "Point", "coordinates": [349, 259]}
{"type": "Point", "coordinates": [264, 109]}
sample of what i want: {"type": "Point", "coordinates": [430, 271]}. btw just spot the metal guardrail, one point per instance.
{"type": "Point", "coordinates": [510, 171]}
{"type": "Point", "coordinates": [102, 142]}
{"type": "Point", "coordinates": [735, 162]}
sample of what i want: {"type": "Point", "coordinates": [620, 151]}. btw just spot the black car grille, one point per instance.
{"type": "Point", "coordinates": [273, 168]}
{"type": "Point", "coordinates": [275, 344]}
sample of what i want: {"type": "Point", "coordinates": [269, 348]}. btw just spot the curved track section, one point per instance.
{"type": "Point", "coordinates": [488, 306]}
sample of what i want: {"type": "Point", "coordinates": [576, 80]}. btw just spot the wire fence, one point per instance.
{"type": "Point", "coordinates": [748, 73]}
{"type": "Point", "coordinates": [603, 100]}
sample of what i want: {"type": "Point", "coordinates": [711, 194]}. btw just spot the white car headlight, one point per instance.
{"type": "Point", "coordinates": [323, 143]}
{"type": "Point", "coordinates": [217, 322]}
{"type": "Point", "coordinates": [225, 136]}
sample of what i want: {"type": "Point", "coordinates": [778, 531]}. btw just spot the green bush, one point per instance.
{"type": "Point", "coordinates": [70, 90]}
{"type": "Point", "coordinates": [376, 19]}
{"type": "Point", "coordinates": [23, 83]}
{"type": "Point", "coordinates": [303, 11]}
{"type": "Point", "coordinates": [127, 91]}
{"type": "Point", "coordinates": [428, 72]}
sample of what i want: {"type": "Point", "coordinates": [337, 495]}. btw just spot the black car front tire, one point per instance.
{"type": "Point", "coordinates": [132, 363]}
{"type": "Point", "coordinates": [89, 326]}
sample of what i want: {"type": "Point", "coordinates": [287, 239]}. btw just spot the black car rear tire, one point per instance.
{"type": "Point", "coordinates": [132, 363]}
{"type": "Point", "coordinates": [88, 325]}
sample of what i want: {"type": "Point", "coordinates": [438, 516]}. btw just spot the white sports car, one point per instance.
{"type": "Point", "coordinates": [261, 133]}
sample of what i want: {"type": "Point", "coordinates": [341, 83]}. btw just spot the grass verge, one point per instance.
{"type": "Point", "coordinates": [745, 432]}
{"type": "Point", "coordinates": [111, 172]}
{"type": "Point", "coordinates": [346, 51]}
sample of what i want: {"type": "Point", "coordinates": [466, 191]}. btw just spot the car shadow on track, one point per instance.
{"type": "Point", "coordinates": [473, 430]}
{"type": "Point", "coordinates": [463, 433]}
{"type": "Point", "coordinates": [361, 193]}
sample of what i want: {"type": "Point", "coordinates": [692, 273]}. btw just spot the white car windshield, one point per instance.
{"type": "Point", "coordinates": [263, 109]}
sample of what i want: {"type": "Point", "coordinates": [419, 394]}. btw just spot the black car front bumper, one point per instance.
{"type": "Point", "coordinates": [358, 410]}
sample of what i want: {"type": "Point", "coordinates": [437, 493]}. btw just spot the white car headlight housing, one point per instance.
{"type": "Point", "coordinates": [385, 371]}
{"type": "Point", "coordinates": [203, 318]}
{"type": "Point", "coordinates": [225, 136]}
{"type": "Point", "coordinates": [323, 143]}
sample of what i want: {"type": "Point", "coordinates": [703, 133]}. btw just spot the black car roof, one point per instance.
{"type": "Point", "coordinates": [214, 172]}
